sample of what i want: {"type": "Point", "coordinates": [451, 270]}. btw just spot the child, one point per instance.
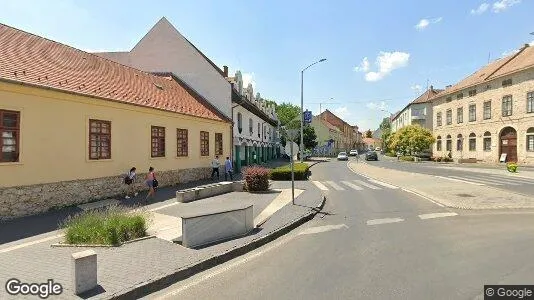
{"type": "Point", "coordinates": [129, 181]}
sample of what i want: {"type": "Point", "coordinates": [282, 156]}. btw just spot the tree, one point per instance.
{"type": "Point", "coordinates": [410, 139]}
{"type": "Point", "coordinates": [310, 138]}
{"type": "Point", "coordinates": [368, 133]}
{"type": "Point", "coordinates": [288, 114]}
{"type": "Point", "coordinates": [385, 128]}
{"type": "Point", "coordinates": [386, 124]}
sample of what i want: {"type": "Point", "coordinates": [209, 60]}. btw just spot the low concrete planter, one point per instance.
{"type": "Point", "coordinates": [207, 191]}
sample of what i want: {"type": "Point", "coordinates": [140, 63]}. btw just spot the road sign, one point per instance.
{"type": "Point", "coordinates": [308, 117]}
{"type": "Point", "coordinates": [291, 151]}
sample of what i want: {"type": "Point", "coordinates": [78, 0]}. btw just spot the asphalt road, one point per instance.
{"type": "Point", "coordinates": [377, 243]}
{"type": "Point", "coordinates": [521, 185]}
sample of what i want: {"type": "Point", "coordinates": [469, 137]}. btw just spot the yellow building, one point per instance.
{"type": "Point", "coordinates": [73, 123]}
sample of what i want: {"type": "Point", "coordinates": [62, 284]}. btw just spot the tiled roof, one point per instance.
{"type": "Point", "coordinates": [30, 59]}
{"type": "Point", "coordinates": [513, 63]}
{"type": "Point", "coordinates": [426, 96]}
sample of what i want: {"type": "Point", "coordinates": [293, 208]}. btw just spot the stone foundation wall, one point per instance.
{"type": "Point", "coordinates": [34, 199]}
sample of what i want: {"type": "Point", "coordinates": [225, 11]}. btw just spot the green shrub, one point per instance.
{"type": "Point", "coordinates": [407, 158]}
{"type": "Point", "coordinates": [112, 226]}
{"type": "Point", "coordinates": [256, 178]}
{"type": "Point", "coordinates": [512, 167]}
{"type": "Point", "coordinates": [301, 171]}
{"type": "Point", "coordinates": [391, 154]}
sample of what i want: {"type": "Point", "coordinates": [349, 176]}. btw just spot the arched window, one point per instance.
{"type": "Point", "coordinates": [459, 143]}
{"type": "Point", "coordinates": [449, 143]}
{"type": "Point", "coordinates": [472, 142]}
{"type": "Point", "coordinates": [239, 122]}
{"type": "Point", "coordinates": [250, 126]}
{"type": "Point", "coordinates": [438, 143]}
{"type": "Point", "coordinates": [259, 129]}
{"type": "Point", "coordinates": [487, 141]}
{"type": "Point", "coordinates": [530, 139]}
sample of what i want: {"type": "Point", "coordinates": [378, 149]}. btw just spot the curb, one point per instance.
{"type": "Point", "coordinates": [184, 273]}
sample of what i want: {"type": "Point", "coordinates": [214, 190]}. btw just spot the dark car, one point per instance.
{"type": "Point", "coordinates": [371, 155]}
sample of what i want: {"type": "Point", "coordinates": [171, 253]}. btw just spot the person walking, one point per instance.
{"type": "Point", "coordinates": [215, 164]}
{"type": "Point", "coordinates": [129, 180]}
{"type": "Point", "coordinates": [357, 157]}
{"type": "Point", "coordinates": [152, 183]}
{"type": "Point", "coordinates": [228, 169]}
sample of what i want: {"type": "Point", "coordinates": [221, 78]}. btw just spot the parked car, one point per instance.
{"type": "Point", "coordinates": [342, 156]}
{"type": "Point", "coordinates": [353, 152]}
{"type": "Point", "coordinates": [371, 155]}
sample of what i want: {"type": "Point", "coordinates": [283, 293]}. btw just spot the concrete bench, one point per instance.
{"type": "Point", "coordinates": [208, 190]}
{"type": "Point", "coordinates": [209, 223]}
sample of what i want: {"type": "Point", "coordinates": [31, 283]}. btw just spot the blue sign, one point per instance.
{"type": "Point", "coordinates": [307, 117]}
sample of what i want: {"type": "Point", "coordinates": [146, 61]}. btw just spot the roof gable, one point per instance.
{"type": "Point", "coordinates": [33, 60]}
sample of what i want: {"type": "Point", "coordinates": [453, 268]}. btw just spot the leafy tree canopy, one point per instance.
{"type": "Point", "coordinates": [410, 139]}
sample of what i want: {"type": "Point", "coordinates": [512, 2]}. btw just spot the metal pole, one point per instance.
{"type": "Point", "coordinates": [292, 175]}
{"type": "Point", "coordinates": [301, 116]}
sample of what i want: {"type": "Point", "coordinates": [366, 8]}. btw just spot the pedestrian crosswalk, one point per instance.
{"type": "Point", "coordinates": [357, 185]}
{"type": "Point", "coordinates": [490, 179]}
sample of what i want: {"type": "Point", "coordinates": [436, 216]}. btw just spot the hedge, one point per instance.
{"type": "Point", "coordinates": [256, 178]}
{"type": "Point", "coordinates": [407, 158]}
{"type": "Point", "coordinates": [284, 173]}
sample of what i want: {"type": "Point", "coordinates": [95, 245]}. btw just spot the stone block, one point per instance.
{"type": "Point", "coordinates": [84, 271]}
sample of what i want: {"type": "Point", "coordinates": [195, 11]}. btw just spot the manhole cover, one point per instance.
{"type": "Point", "coordinates": [464, 195]}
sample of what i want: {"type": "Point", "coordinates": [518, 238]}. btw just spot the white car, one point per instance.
{"type": "Point", "coordinates": [342, 156]}
{"type": "Point", "coordinates": [353, 152]}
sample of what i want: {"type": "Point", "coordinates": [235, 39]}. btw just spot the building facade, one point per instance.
{"type": "Point", "coordinates": [490, 114]}
{"type": "Point", "coordinates": [347, 131]}
{"type": "Point", "coordinates": [329, 137]}
{"type": "Point", "coordinates": [73, 123]}
{"type": "Point", "coordinates": [256, 126]}
{"type": "Point", "coordinates": [417, 112]}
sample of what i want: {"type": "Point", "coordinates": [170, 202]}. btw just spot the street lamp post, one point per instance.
{"type": "Point", "coordinates": [302, 108]}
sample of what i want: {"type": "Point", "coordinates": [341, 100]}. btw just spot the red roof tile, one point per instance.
{"type": "Point", "coordinates": [30, 59]}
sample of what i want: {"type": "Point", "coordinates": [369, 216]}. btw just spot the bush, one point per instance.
{"type": "Point", "coordinates": [256, 178]}
{"type": "Point", "coordinates": [284, 173]}
{"type": "Point", "coordinates": [112, 226]}
{"type": "Point", "coordinates": [512, 167]}
{"type": "Point", "coordinates": [391, 154]}
{"type": "Point", "coordinates": [407, 158]}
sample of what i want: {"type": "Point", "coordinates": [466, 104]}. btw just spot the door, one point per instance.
{"type": "Point", "coordinates": [508, 144]}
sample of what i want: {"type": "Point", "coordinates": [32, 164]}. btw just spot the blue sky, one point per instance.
{"type": "Point", "coordinates": [406, 43]}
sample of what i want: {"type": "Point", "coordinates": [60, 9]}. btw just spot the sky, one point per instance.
{"type": "Point", "coordinates": [380, 54]}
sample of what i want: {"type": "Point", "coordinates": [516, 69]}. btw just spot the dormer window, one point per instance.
{"type": "Point", "coordinates": [459, 96]}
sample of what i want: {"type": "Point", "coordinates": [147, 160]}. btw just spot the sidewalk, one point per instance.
{"type": "Point", "coordinates": [41, 224]}
{"type": "Point", "coordinates": [134, 269]}
{"type": "Point", "coordinates": [446, 192]}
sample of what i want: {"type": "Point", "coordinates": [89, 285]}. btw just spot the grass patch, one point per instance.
{"type": "Point", "coordinates": [284, 172]}
{"type": "Point", "coordinates": [111, 226]}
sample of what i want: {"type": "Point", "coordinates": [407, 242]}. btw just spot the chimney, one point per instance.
{"type": "Point", "coordinates": [448, 87]}
{"type": "Point", "coordinates": [431, 88]}
{"type": "Point", "coordinates": [225, 68]}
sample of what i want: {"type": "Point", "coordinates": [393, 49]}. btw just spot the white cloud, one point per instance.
{"type": "Point", "coordinates": [417, 88]}
{"type": "Point", "coordinates": [387, 62]}
{"type": "Point", "coordinates": [342, 112]}
{"type": "Point", "coordinates": [504, 4]}
{"type": "Point", "coordinates": [531, 43]}
{"type": "Point", "coordinates": [381, 106]}
{"type": "Point", "coordinates": [249, 78]}
{"type": "Point", "coordinates": [425, 22]}
{"type": "Point", "coordinates": [509, 52]}
{"type": "Point", "coordinates": [481, 9]}
{"type": "Point", "coordinates": [364, 66]}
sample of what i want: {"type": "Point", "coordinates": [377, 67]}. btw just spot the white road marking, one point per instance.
{"type": "Point", "coordinates": [458, 180]}
{"type": "Point", "coordinates": [384, 184]}
{"type": "Point", "coordinates": [494, 180]}
{"type": "Point", "coordinates": [31, 243]}
{"type": "Point", "coordinates": [424, 197]}
{"type": "Point", "coordinates": [319, 229]}
{"type": "Point", "coordinates": [321, 186]}
{"type": "Point", "coordinates": [384, 221]}
{"type": "Point", "coordinates": [471, 180]}
{"type": "Point", "coordinates": [352, 185]}
{"type": "Point", "coordinates": [367, 185]}
{"type": "Point", "coordinates": [437, 215]}
{"type": "Point", "coordinates": [335, 186]}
